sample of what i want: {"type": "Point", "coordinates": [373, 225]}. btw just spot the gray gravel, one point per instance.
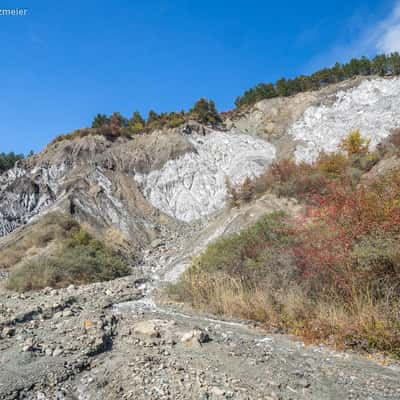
{"type": "Point", "coordinates": [74, 344]}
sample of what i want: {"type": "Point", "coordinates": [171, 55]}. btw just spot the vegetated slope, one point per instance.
{"type": "Point", "coordinates": [372, 107]}
{"type": "Point", "coordinates": [194, 185]}
{"type": "Point", "coordinates": [332, 274]}
{"type": "Point", "coordinates": [380, 65]}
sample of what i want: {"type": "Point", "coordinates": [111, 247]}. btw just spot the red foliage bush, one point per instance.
{"type": "Point", "coordinates": [340, 221]}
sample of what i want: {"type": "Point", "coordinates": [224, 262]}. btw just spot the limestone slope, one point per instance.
{"type": "Point", "coordinates": [130, 192]}
{"type": "Point", "coordinates": [303, 125]}
{"type": "Point", "coordinates": [372, 107]}
{"type": "Point", "coordinates": [194, 185]}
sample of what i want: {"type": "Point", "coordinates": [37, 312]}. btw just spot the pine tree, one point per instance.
{"type": "Point", "coordinates": [136, 123]}
{"type": "Point", "coordinates": [152, 117]}
{"type": "Point", "coordinates": [205, 112]}
{"type": "Point", "coordinates": [117, 123]}
{"type": "Point", "coordinates": [100, 120]}
{"type": "Point", "coordinates": [281, 87]}
{"type": "Point", "coordinates": [7, 161]}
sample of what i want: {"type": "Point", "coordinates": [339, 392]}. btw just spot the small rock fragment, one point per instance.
{"type": "Point", "coordinates": [196, 336]}
{"type": "Point", "coordinates": [148, 328]}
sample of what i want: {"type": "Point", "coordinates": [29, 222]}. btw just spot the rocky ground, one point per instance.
{"type": "Point", "coordinates": [111, 340]}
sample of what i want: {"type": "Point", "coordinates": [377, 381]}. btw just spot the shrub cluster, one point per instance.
{"type": "Point", "coordinates": [332, 274]}
{"type": "Point", "coordinates": [81, 260]}
{"type": "Point", "coordinates": [306, 181]}
{"type": "Point", "coordinates": [383, 65]}
{"type": "Point", "coordinates": [164, 120]}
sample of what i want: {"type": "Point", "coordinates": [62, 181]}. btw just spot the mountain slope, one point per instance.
{"type": "Point", "coordinates": [140, 187]}
{"type": "Point", "coordinates": [92, 179]}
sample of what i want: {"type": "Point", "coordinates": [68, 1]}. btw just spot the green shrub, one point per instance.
{"type": "Point", "coordinates": [81, 260]}
{"type": "Point", "coordinates": [260, 254]}
{"type": "Point", "coordinates": [136, 123]}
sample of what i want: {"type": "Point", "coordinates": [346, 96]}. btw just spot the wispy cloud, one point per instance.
{"type": "Point", "coordinates": [366, 39]}
{"type": "Point", "coordinates": [387, 33]}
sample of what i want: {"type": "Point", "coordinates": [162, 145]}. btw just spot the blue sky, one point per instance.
{"type": "Point", "coordinates": [67, 60]}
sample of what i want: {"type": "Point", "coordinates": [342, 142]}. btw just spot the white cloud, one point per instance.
{"type": "Point", "coordinates": [387, 33]}
{"type": "Point", "coordinates": [370, 38]}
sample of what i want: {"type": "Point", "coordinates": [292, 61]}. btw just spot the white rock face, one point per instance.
{"type": "Point", "coordinates": [373, 107]}
{"type": "Point", "coordinates": [193, 185]}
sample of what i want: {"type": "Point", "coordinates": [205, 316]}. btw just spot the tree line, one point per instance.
{"type": "Point", "coordinates": [382, 65]}
{"type": "Point", "coordinates": [203, 111]}
{"type": "Point", "coordinates": [116, 125]}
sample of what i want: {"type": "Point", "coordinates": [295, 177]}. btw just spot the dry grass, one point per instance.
{"type": "Point", "coordinates": [55, 251]}
{"type": "Point", "coordinates": [363, 323]}
{"type": "Point", "coordinates": [49, 231]}
{"type": "Point", "coordinates": [118, 240]}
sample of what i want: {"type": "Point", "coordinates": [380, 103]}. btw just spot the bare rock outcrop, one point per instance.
{"type": "Point", "coordinates": [194, 185]}
{"type": "Point", "coordinates": [92, 179]}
